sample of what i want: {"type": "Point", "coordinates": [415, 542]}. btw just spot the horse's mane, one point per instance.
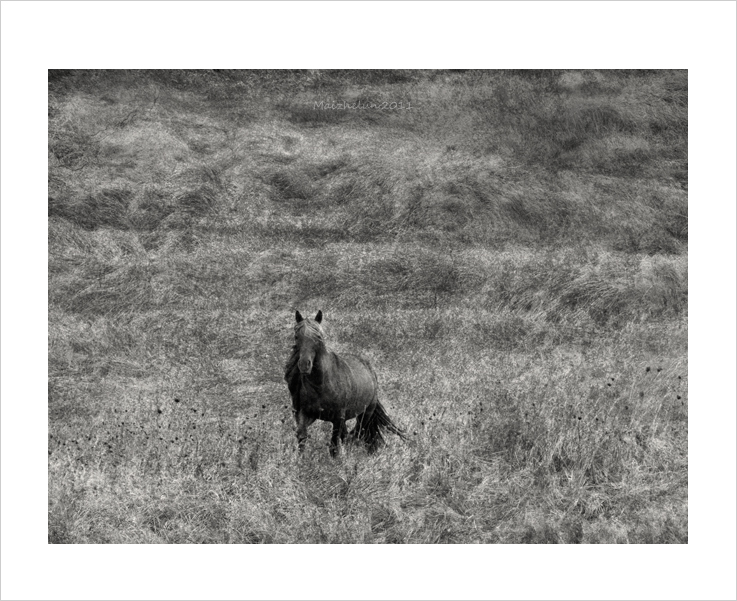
{"type": "Point", "coordinates": [310, 329]}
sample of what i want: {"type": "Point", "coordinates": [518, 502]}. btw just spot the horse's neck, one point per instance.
{"type": "Point", "coordinates": [324, 360]}
{"type": "Point", "coordinates": [323, 363]}
{"type": "Point", "coordinates": [322, 356]}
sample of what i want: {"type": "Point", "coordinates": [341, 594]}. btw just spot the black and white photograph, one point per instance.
{"type": "Point", "coordinates": [477, 280]}
{"type": "Point", "coordinates": [305, 305]}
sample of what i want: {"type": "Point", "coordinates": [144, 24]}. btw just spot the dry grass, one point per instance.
{"type": "Point", "coordinates": [518, 280]}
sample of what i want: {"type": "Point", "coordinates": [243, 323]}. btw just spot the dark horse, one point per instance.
{"type": "Point", "coordinates": [333, 388]}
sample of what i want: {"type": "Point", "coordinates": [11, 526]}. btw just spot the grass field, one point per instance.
{"type": "Point", "coordinates": [510, 253]}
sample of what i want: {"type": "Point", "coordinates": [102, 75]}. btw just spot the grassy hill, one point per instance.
{"type": "Point", "coordinates": [508, 249]}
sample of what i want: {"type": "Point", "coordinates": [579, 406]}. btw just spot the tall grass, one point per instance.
{"type": "Point", "coordinates": [511, 256]}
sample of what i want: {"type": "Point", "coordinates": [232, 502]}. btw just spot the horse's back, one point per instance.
{"type": "Point", "coordinates": [357, 374]}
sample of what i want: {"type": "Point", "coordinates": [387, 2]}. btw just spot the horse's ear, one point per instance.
{"type": "Point", "coordinates": [318, 317]}
{"type": "Point", "coordinates": [298, 317]}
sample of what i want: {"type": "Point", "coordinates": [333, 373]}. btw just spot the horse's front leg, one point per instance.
{"type": "Point", "coordinates": [338, 436]}
{"type": "Point", "coordinates": [303, 422]}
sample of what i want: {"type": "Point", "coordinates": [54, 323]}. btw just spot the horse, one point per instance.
{"type": "Point", "coordinates": [333, 388]}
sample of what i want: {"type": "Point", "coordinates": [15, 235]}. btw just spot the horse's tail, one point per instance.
{"type": "Point", "coordinates": [369, 430]}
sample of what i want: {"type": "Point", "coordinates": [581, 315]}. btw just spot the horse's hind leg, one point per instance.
{"type": "Point", "coordinates": [303, 422]}
{"type": "Point", "coordinates": [361, 429]}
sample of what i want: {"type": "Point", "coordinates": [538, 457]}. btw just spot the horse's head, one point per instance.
{"type": "Point", "coordinates": [309, 340]}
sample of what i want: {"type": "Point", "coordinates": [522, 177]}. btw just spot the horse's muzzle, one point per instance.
{"type": "Point", "coordinates": [305, 367]}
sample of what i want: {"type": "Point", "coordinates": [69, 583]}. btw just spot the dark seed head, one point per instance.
{"type": "Point", "coordinates": [176, 400]}
{"type": "Point", "coordinates": [647, 369]}
{"type": "Point", "coordinates": [642, 394]}
{"type": "Point", "coordinates": [678, 396]}
{"type": "Point", "coordinates": [660, 369]}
